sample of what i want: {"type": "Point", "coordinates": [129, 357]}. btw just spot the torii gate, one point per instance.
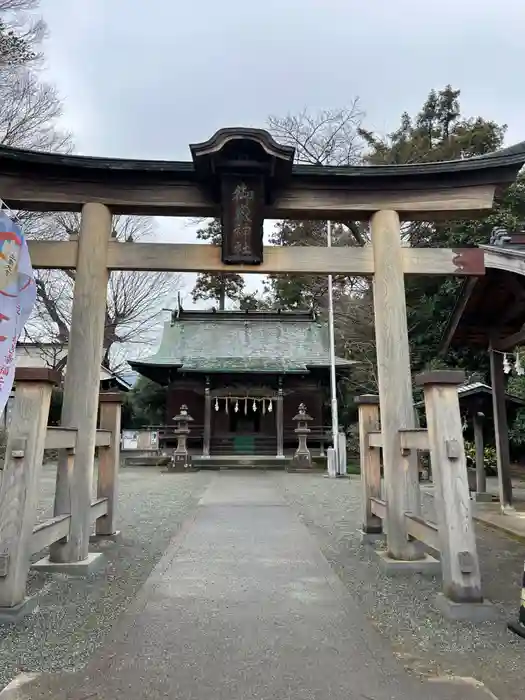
{"type": "Point", "coordinates": [243, 176]}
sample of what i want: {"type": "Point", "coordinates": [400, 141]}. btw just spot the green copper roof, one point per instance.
{"type": "Point", "coordinates": [238, 342]}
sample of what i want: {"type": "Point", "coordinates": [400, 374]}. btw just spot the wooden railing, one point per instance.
{"type": "Point", "coordinates": [452, 536]}
{"type": "Point", "coordinates": [28, 436]}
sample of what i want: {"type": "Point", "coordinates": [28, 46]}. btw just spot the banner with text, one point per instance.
{"type": "Point", "coordinates": [17, 298]}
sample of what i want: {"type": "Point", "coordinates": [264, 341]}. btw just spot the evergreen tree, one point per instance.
{"type": "Point", "coordinates": [304, 291]}
{"type": "Point", "coordinates": [15, 50]}
{"type": "Point", "coordinates": [217, 287]}
{"type": "Point", "coordinates": [440, 132]}
{"type": "Point", "coordinates": [145, 404]}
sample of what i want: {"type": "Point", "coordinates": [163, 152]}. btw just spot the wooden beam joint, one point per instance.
{"type": "Point", "coordinates": [375, 439]}
{"type": "Point", "coordinates": [413, 439]}
{"type": "Point", "coordinates": [378, 507]}
{"type": "Point", "coordinates": [422, 530]}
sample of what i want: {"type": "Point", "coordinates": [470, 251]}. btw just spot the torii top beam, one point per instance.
{"type": "Point", "coordinates": [452, 189]}
{"type": "Point", "coordinates": [244, 176]}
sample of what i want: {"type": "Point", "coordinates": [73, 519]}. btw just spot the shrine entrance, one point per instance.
{"type": "Point", "coordinates": [243, 427]}
{"type": "Point", "coordinates": [245, 424]}
{"type": "Point", "coordinates": [244, 176]}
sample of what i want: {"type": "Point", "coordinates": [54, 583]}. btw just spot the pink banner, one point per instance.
{"type": "Point", "coordinates": [17, 298]}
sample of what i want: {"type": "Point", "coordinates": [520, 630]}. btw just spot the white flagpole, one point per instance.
{"type": "Point", "coordinates": [333, 386]}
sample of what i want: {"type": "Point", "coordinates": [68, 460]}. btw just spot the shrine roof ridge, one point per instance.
{"type": "Point", "coordinates": [234, 315]}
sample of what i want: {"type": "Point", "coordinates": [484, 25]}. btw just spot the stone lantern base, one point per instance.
{"type": "Point", "coordinates": [180, 463]}
{"type": "Point", "coordinates": [302, 461]}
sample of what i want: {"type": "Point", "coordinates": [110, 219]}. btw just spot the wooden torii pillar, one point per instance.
{"type": "Point", "coordinates": [81, 388]}
{"type": "Point", "coordinates": [395, 383]}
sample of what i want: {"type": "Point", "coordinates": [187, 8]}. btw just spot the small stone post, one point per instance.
{"type": "Point", "coordinates": [19, 487]}
{"type": "Point", "coordinates": [370, 466]}
{"type": "Point", "coordinates": [181, 460]}
{"type": "Point", "coordinates": [302, 457]}
{"type": "Point", "coordinates": [462, 597]}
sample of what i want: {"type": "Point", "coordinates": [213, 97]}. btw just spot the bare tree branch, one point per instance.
{"type": "Point", "coordinates": [29, 113]}
{"type": "Point", "coordinates": [328, 137]}
{"type": "Point", "coordinates": [134, 299]}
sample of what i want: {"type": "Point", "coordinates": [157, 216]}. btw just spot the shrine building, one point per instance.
{"type": "Point", "coordinates": [242, 375]}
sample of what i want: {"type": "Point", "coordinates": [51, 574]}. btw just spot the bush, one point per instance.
{"type": "Point", "coordinates": [489, 457]}
{"type": "Point", "coordinates": [352, 440]}
{"type": "Point", "coordinates": [145, 404]}
{"type": "Point", "coordinates": [517, 431]}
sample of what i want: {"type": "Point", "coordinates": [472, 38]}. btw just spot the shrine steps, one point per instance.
{"type": "Point", "coordinates": [257, 462]}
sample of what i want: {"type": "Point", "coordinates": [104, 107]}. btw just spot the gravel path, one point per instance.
{"type": "Point", "coordinates": [74, 615]}
{"type": "Point", "coordinates": [401, 608]}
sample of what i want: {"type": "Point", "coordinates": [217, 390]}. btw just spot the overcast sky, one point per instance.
{"type": "Point", "coordinates": [145, 79]}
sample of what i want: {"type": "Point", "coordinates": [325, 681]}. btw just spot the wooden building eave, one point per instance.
{"type": "Point", "coordinates": [490, 310]}
{"type": "Point", "coordinates": [165, 373]}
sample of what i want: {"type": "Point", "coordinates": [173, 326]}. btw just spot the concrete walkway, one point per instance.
{"type": "Point", "coordinates": [243, 606]}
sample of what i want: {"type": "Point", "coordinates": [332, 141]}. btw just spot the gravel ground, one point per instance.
{"type": "Point", "coordinates": [74, 615]}
{"type": "Point", "coordinates": [401, 608]}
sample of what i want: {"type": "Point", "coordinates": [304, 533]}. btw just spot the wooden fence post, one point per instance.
{"type": "Point", "coordinates": [19, 488]}
{"type": "Point", "coordinates": [109, 462]}
{"type": "Point", "coordinates": [81, 389]}
{"type": "Point", "coordinates": [462, 597]}
{"type": "Point", "coordinates": [370, 462]}
{"type": "Point", "coordinates": [481, 476]}
{"type": "Point", "coordinates": [501, 428]}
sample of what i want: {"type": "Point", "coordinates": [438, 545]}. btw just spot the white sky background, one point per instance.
{"type": "Point", "coordinates": [145, 79]}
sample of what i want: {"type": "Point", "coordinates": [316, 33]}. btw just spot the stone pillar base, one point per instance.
{"type": "Point", "coordinates": [10, 616]}
{"type": "Point", "coordinates": [94, 561]}
{"type": "Point", "coordinates": [396, 567]}
{"type": "Point", "coordinates": [471, 612]}
{"type": "Point", "coordinates": [113, 537]}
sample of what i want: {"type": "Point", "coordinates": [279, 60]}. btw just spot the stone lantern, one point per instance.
{"type": "Point", "coordinates": [302, 457]}
{"type": "Point", "coordinates": [180, 458]}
